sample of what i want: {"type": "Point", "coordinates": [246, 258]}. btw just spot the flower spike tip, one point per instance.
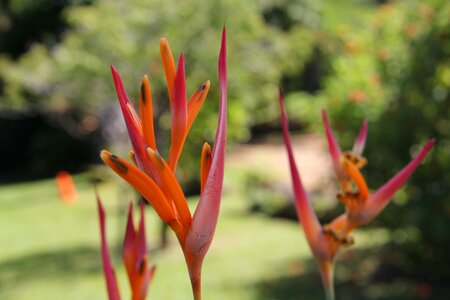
{"type": "Point", "coordinates": [360, 142]}
{"type": "Point", "coordinates": [205, 218]}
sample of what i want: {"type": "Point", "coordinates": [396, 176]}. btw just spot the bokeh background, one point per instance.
{"type": "Point", "coordinates": [384, 60]}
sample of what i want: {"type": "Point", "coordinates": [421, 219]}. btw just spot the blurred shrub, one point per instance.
{"type": "Point", "coordinates": [268, 196]}
{"type": "Point", "coordinates": [75, 72]}
{"type": "Point", "coordinates": [43, 149]}
{"type": "Point", "coordinates": [16, 34]}
{"type": "Point", "coordinates": [419, 109]}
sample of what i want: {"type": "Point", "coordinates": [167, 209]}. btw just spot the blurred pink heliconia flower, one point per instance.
{"type": "Point", "coordinates": [134, 256]}
{"type": "Point", "coordinates": [361, 205]}
{"type": "Point", "coordinates": [155, 179]}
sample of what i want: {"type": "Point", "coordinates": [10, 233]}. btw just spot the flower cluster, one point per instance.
{"type": "Point", "coordinates": [154, 177]}
{"type": "Point", "coordinates": [361, 206]}
{"type": "Point", "coordinates": [134, 256]}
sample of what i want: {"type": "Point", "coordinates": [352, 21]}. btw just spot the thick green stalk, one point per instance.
{"type": "Point", "coordinates": [194, 264]}
{"type": "Point", "coordinates": [327, 274]}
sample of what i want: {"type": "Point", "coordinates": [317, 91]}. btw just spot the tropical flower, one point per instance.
{"type": "Point", "coordinates": [361, 205]}
{"type": "Point", "coordinates": [154, 178]}
{"type": "Point", "coordinates": [134, 256]}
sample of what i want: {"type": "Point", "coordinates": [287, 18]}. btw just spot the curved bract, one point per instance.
{"type": "Point", "coordinates": [205, 218]}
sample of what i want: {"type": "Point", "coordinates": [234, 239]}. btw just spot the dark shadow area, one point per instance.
{"type": "Point", "coordinates": [41, 148]}
{"type": "Point", "coordinates": [28, 22]}
{"type": "Point", "coordinates": [297, 280]}
{"type": "Point", "coordinates": [360, 274]}
{"type": "Point", "coordinates": [49, 265]}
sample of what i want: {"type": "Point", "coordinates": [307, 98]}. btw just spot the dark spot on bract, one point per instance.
{"type": "Point", "coordinates": [120, 165]}
{"type": "Point", "coordinates": [143, 94]}
{"type": "Point", "coordinates": [159, 159]}
{"type": "Point", "coordinates": [142, 266]}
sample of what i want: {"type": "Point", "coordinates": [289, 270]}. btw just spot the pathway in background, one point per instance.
{"type": "Point", "coordinates": [270, 156]}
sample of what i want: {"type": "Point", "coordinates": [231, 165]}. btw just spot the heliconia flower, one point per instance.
{"type": "Point", "coordinates": [361, 205]}
{"type": "Point", "coordinates": [135, 257]}
{"type": "Point", "coordinates": [155, 179]}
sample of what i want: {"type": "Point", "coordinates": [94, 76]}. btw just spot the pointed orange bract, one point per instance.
{"type": "Point", "coordinates": [195, 103]}
{"type": "Point", "coordinates": [142, 183]}
{"type": "Point", "coordinates": [353, 172]}
{"type": "Point", "coordinates": [146, 106]}
{"type": "Point", "coordinates": [205, 165]}
{"type": "Point", "coordinates": [171, 187]}
{"type": "Point", "coordinates": [169, 66]}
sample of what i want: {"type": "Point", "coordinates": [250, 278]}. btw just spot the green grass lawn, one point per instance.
{"type": "Point", "coordinates": [50, 250]}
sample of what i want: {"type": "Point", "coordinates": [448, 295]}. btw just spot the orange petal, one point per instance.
{"type": "Point", "coordinates": [354, 173]}
{"type": "Point", "coordinates": [169, 65]}
{"type": "Point", "coordinates": [195, 103]}
{"type": "Point", "coordinates": [147, 113]}
{"type": "Point", "coordinates": [339, 223]}
{"type": "Point", "coordinates": [142, 183]}
{"type": "Point", "coordinates": [138, 293]}
{"type": "Point", "coordinates": [171, 188]}
{"type": "Point", "coordinates": [205, 165]}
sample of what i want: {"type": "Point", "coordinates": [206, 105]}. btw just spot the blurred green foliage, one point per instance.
{"type": "Point", "coordinates": [388, 62]}
{"type": "Point", "coordinates": [74, 74]}
{"type": "Point", "coordinates": [419, 109]}
{"type": "Point", "coordinates": [267, 196]}
{"type": "Point", "coordinates": [394, 69]}
{"type": "Point", "coordinates": [16, 34]}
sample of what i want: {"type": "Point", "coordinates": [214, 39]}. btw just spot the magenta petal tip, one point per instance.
{"type": "Point", "coordinates": [378, 200]}
{"type": "Point", "coordinates": [333, 146]}
{"type": "Point", "coordinates": [360, 141]}
{"type": "Point", "coordinates": [108, 269]}
{"type": "Point", "coordinates": [305, 212]}
{"type": "Point", "coordinates": [206, 215]}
